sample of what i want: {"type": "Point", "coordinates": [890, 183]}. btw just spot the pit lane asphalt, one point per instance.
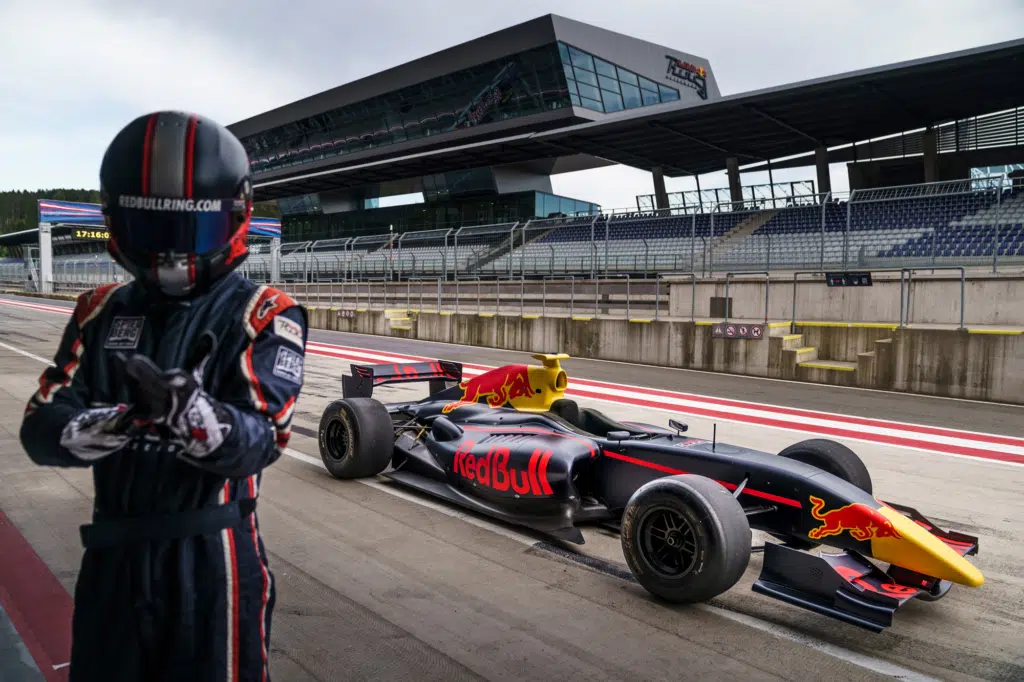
{"type": "Point", "coordinates": [374, 586]}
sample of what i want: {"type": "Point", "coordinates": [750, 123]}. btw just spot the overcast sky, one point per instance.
{"type": "Point", "coordinates": [75, 71]}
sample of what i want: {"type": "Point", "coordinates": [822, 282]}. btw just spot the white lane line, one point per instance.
{"type": "Point", "coordinates": [25, 353]}
{"type": "Point", "coordinates": [682, 401]}
{"type": "Point", "coordinates": [861, 660]}
{"type": "Point", "coordinates": [914, 441]}
{"type": "Point", "coordinates": [877, 665]}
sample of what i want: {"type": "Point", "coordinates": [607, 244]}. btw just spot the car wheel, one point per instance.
{"type": "Point", "coordinates": [836, 459]}
{"type": "Point", "coordinates": [357, 438]}
{"type": "Point", "coordinates": [685, 538]}
{"type": "Point", "coordinates": [833, 457]}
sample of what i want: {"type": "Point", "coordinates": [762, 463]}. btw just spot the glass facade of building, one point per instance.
{"type": "Point", "coordinates": [602, 86]}
{"type": "Point", "coordinates": [521, 85]}
{"type": "Point", "coordinates": [543, 79]}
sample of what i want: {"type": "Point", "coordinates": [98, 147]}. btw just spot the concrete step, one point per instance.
{"type": "Point", "coordinates": [834, 372]}
{"type": "Point", "coordinates": [396, 313]}
{"type": "Point", "coordinates": [799, 354]}
{"type": "Point", "coordinates": [792, 341]}
{"type": "Point", "coordinates": [829, 365]}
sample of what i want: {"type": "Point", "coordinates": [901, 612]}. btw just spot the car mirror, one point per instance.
{"type": "Point", "coordinates": [678, 425]}
{"type": "Point", "coordinates": [619, 435]}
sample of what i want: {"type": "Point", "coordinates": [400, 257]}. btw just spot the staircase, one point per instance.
{"type": "Point", "coordinates": [502, 249]}
{"type": "Point", "coordinates": [736, 235]}
{"type": "Point", "coordinates": [838, 357]}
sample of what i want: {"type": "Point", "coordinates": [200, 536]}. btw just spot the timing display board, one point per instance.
{"type": "Point", "coordinates": [85, 233]}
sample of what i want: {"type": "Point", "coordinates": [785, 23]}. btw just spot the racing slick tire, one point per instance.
{"type": "Point", "coordinates": [833, 457]}
{"type": "Point", "coordinates": [685, 538]}
{"type": "Point", "coordinates": [357, 438]}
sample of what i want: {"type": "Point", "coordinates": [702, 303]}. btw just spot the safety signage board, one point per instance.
{"type": "Point", "coordinates": [737, 330]}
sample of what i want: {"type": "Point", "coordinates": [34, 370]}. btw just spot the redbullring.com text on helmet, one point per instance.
{"type": "Point", "coordinates": [168, 204]}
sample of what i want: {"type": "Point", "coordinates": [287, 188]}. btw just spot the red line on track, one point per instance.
{"type": "Point", "coordinates": [592, 389]}
{"type": "Point", "coordinates": [764, 407]}
{"type": "Point", "coordinates": [35, 601]}
{"type": "Point", "coordinates": [965, 451]}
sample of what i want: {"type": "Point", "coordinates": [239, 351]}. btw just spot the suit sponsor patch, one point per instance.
{"type": "Point", "coordinates": [124, 333]}
{"type": "Point", "coordinates": [288, 330]}
{"type": "Point", "coordinates": [288, 365]}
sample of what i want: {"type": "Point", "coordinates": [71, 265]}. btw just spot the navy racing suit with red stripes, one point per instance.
{"type": "Point", "coordinates": [175, 582]}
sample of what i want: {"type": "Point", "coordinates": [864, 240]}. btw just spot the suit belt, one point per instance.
{"type": "Point", "coordinates": [173, 526]}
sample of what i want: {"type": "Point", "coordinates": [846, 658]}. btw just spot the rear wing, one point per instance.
{"type": "Point", "coordinates": [367, 377]}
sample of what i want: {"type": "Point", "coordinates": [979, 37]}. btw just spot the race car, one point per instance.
{"type": "Point", "coordinates": [507, 443]}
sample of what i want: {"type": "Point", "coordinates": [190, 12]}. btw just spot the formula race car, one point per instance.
{"type": "Point", "coordinates": [508, 443]}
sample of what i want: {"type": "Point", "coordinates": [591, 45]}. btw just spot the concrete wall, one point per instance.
{"type": "Point", "coordinates": [940, 362]}
{"type": "Point", "coordinates": [933, 299]}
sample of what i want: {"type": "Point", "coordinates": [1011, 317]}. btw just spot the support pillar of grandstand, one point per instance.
{"type": "Point", "coordinates": [930, 151]}
{"type": "Point", "coordinates": [732, 168]}
{"type": "Point", "coordinates": [821, 165]}
{"type": "Point", "coordinates": [275, 260]}
{"type": "Point", "coordinates": [45, 259]}
{"type": "Point", "coordinates": [660, 193]}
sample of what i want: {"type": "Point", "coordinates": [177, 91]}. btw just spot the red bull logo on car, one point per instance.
{"type": "Point", "coordinates": [499, 386]}
{"type": "Point", "coordinates": [860, 520]}
{"type": "Point", "coordinates": [495, 470]}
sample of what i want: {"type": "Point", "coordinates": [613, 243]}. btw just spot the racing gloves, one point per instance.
{"type": "Point", "coordinates": [172, 401]}
{"type": "Point", "coordinates": [176, 400]}
{"type": "Point", "coordinates": [95, 433]}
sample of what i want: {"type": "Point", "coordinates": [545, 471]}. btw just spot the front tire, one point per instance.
{"type": "Point", "coordinates": [836, 459]}
{"type": "Point", "coordinates": [833, 457]}
{"type": "Point", "coordinates": [685, 538]}
{"type": "Point", "coordinates": [357, 438]}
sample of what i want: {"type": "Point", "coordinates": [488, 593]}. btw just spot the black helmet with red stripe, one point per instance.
{"type": "Point", "coordinates": [177, 196]}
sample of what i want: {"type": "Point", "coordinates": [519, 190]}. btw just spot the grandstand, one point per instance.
{"type": "Point", "coordinates": [935, 224]}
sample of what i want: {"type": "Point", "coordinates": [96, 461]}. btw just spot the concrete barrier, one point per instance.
{"type": "Point", "coordinates": [975, 364]}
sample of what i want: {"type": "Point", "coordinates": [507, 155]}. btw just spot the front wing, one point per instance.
{"type": "Point", "coordinates": [848, 586]}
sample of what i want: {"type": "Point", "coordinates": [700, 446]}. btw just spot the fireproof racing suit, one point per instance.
{"type": "Point", "coordinates": [174, 582]}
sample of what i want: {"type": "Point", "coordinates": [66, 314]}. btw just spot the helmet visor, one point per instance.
{"type": "Point", "coordinates": [156, 225]}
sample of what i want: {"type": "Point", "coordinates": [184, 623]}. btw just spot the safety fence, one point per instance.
{"type": "Point", "coordinates": [965, 222]}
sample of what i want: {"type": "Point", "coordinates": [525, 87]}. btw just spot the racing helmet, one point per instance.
{"type": "Point", "coordinates": [177, 198]}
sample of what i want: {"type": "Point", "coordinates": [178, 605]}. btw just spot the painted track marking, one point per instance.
{"type": "Point", "coordinates": [994, 448]}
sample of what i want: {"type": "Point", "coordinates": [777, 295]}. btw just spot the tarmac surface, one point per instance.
{"type": "Point", "coordinates": [377, 583]}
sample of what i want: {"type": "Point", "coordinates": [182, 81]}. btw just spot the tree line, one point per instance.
{"type": "Point", "coordinates": [19, 209]}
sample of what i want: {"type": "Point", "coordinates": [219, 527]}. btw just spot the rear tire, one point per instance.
{"type": "Point", "coordinates": [685, 538]}
{"type": "Point", "coordinates": [357, 438]}
{"type": "Point", "coordinates": [836, 459]}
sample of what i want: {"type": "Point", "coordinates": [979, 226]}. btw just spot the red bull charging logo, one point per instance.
{"type": "Point", "coordinates": [863, 522]}
{"type": "Point", "coordinates": [500, 386]}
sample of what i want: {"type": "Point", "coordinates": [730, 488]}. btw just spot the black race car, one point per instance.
{"type": "Point", "coordinates": [508, 443]}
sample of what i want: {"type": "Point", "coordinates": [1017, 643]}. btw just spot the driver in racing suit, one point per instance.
{"type": "Point", "coordinates": [177, 389]}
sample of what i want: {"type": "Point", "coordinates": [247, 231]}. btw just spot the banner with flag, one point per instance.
{"type": "Point", "coordinates": [69, 212]}
{"type": "Point", "coordinates": [265, 227]}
